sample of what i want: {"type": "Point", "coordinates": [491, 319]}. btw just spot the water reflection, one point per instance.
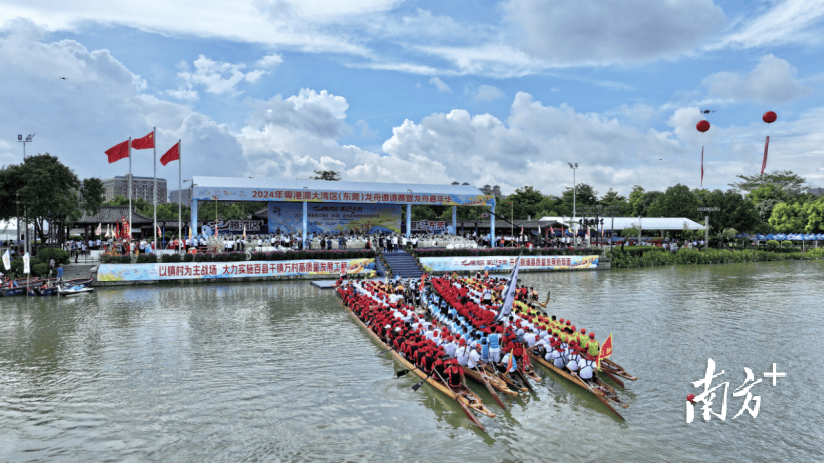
{"type": "Point", "coordinates": [279, 372]}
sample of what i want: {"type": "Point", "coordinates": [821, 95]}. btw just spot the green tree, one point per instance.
{"type": "Point", "coordinates": [47, 190]}
{"type": "Point", "coordinates": [814, 212]}
{"type": "Point", "coordinates": [786, 181]}
{"type": "Point", "coordinates": [584, 195]}
{"type": "Point", "coordinates": [326, 175]}
{"type": "Point", "coordinates": [613, 200]}
{"type": "Point", "coordinates": [788, 218]}
{"type": "Point", "coordinates": [548, 206]}
{"type": "Point", "coordinates": [736, 212]}
{"type": "Point", "coordinates": [676, 201]}
{"type": "Point", "coordinates": [525, 201]}
{"type": "Point", "coordinates": [636, 201]}
{"type": "Point", "coordinates": [641, 200]}
{"type": "Point", "coordinates": [92, 195]}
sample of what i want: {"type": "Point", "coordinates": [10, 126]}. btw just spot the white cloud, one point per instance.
{"type": "Point", "coordinates": [788, 22]}
{"type": "Point", "coordinates": [289, 24]}
{"type": "Point", "coordinates": [772, 81]}
{"type": "Point", "coordinates": [488, 93]}
{"type": "Point", "coordinates": [314, 114]}
{"type": "Point", "coordinates": [593, 32]}
{"type": "Point", "coordinates": [492, 58]}
{"type": "Point", "coordinates": [269, 61]}
{"type": "Point", "coordinates": [187, 94]}
{"type": "Point", "coordinates": [437, 82]}
{"type": "Point", "coordinates": [217, 77]}
{"type": "Point", "coordinates": [366, 132]}
{"type": "Point", "coordinates": [97, 106]}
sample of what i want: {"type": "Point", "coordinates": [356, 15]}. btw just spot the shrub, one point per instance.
{"type": "Point", "coordinates": [188, 258]}
{"type": "Point", "coordinates": [173, 258]}
{"type": "Point", "coordinates": [16, 270]}
{"type": "Point", "coordinates": [786, 243]}
{"type": "Point", "coordinates": [40, 270]}
{"type": "Point", "coordinates": [772, 244]}
{"type": "Point", "coordinates": [709, 256]}
{"type": "Point", "coordinates": [146, 258]}
{"type": "Point", "coordinates": [59, 256]}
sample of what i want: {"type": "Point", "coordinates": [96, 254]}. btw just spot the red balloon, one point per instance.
{"type": "Point", "coordinates": [703, 126]}
{"type": "Point", "coordinates": [769, 117]}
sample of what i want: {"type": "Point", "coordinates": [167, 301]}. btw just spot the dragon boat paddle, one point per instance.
{"type": "Point", "coordinates": [491, 390]}
{"type": "Point", "coordinates": [463, 405]}
{"type": "Point", "coordinates": [418, 385]}
{"type": "Point", "coordinates": [614, 379]}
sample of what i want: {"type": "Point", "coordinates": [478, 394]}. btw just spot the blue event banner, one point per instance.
{"type": "Point", "coordinates": [334, 217]}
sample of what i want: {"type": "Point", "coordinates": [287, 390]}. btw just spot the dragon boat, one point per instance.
{"type": "Point", "coordinates": [466, 399]}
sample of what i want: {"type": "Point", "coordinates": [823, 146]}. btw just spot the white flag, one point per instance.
{"type": "Point", "coordinates": [108, 230]}
{"type": "Point", "coordinates": [509, 292]}
{"type": "Point", "coordinates": [26, 262]}
{"type": "Point", "coordinates": [99, 230]}
{"type": "Point", "coordinates": [7, 260]}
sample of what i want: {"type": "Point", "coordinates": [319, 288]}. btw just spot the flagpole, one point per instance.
{"type": "Point", "coordinates": [154, 148]}
{"type": "Point", "coordinates": [179, 191]}
{"type": "Point", "coordinates": [130, 189]}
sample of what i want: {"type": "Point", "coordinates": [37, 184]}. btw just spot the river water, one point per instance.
{"type": "Point", "coordinates": [280, 372]}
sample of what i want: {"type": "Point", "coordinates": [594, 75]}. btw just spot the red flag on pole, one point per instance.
{"type": "Point", "coordinates": [764, 163]}
{"type": "Point", "coordinates": [171, 155]}
{"type": "Point", "coordinates": [605, 351]}
{"type": "Point", "coordinates": [118, 152]}
{"type": "Point", "coordinates": [144, 142]}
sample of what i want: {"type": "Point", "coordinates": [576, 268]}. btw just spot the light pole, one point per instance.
{"type": "Point", "coordinates": [26, 211]}
{"type": "Point", "coordinates": [574, 194]}
{"type": "Point", "coordinates": [17, 195]}
{"type": "Point", "coordinates": [511, 225]}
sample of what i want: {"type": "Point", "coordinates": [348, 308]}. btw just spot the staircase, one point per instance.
{"type": "Point", "coordinates": [381, 271]}
{"type": "Point", "coordinates": [77, 271]}
{"type": "Point", "coordinates": [403, 264]}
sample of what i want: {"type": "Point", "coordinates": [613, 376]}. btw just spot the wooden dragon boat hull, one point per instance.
{"type": "Point", "coordinates": [495, 382]}
{"type": "Point", "coordinates": [465, 396]}
{"type": "Point", "coordinates": [574, 378]}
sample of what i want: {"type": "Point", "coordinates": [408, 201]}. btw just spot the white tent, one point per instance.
{"type": "Point", "coordinates": [646, 223]}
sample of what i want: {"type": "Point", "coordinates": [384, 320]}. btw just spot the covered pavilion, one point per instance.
{"type": "Point", "coordinates": [304, 192]}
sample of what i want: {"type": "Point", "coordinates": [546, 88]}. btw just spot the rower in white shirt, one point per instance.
{"type": "Point", "coordinates": [474, 358]}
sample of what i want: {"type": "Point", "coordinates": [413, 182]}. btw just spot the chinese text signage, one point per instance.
{"type": "Point", "coordinates": [228, 270]}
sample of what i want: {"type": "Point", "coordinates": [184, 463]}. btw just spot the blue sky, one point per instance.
{"type": "Point", "coordinates": [493, 93]}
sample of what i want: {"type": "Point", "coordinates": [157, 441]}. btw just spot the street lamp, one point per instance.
{"type": "Point", "coordinates": [26, 242]}
{"type": "Point", "coordinates": [574, 194]}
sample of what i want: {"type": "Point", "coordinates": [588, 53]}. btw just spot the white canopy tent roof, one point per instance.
{"type": "Point", "coordinates": [646, 223]}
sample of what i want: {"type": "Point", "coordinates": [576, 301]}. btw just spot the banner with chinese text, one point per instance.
{"type": "Point", "coordinates": [506, 263]}
{"type": "Point", "coordinates": [229, 270]}
{"type": "Point", "coordinates": [323, 196]}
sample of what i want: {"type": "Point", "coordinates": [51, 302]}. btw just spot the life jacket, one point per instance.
{"type": "Point", "coordinates": [428, 363]}
{"type": "Point", "coordinates": [454, 376]}
{"type": "Point", "coordinates": [593, 348]}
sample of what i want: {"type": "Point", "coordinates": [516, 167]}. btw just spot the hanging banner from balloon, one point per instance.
{"type": "Point", "coordinates": [769, 117]}
{"type": "Point", "coordinates": [702, 127]}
